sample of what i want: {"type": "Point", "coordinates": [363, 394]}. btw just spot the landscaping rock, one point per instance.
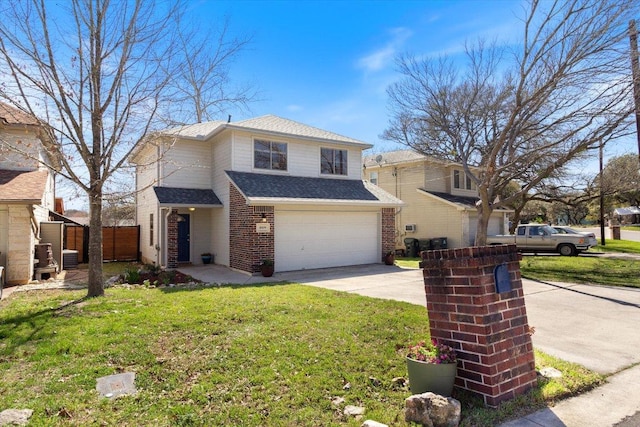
{"type": "Point", "coordinates": [337, 401]}
{"type": "Point", "coordinates": [371, 423]}
{"type": "Point", "coordinates": [15, 417]}
{"type": "Point", "coordinates": [550, 373]}
{"type": "Point", "coordinates": [113, 386]}
{"type": "Point", "coordinates": [432, 410]}
{"type": "Point", "coordinates": [353, 410]}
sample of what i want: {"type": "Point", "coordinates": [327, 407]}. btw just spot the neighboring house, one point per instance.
{"type": "Point", "coordinates": [440, 200]}
{"type": "Point", "coordinates": [263, 188]}
{"type": "Point", "coordinates": [26, 191]}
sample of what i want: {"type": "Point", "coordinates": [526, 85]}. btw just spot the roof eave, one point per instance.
{"type": "Point", "coordinates": [362, 145]}
{"type": "Point", "coordinates": [188, 205]}
{"type": "Point", "coordinates": [21, 201]}
{"type": "Point", "coordinates": [270, 201]}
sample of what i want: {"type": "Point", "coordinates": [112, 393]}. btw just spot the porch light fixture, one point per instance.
{"type": "Point", "coordinates": [264, 218]}
{"type": "Point", "coordinates": [192, 209]}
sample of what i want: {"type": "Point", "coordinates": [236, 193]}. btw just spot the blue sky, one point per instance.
{"type": "Point", "coordinates": [328, 63]}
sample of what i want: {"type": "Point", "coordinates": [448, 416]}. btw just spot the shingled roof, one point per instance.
{"type": "Point", "coordinates": [267, 124]}
{"type": "Point", "coordinates": [13, 116]}
{"type": "Point", "coordinates": [22, 186]}
{"type": "Point", "coordinates": [465, 202]}
{"type": "Point", "coordinates": [172, 196]}
{"type": "Point", "coordinates": [277, 188]}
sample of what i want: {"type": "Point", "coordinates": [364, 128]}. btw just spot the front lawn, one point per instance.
{"type": "Point", "coordinates": [274, 354]}
{"type": "Point", "coordinates": [624, 246]}
{"type": "Point", "coordinates": [580, 269]}
{"type": "Point", "coordinates": [589, 270]}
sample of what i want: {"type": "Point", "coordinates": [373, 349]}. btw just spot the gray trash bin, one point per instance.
{"type": "Point", "coordinates": [439, 243]}
{"type": "Point", "coordinates": [411, 246]}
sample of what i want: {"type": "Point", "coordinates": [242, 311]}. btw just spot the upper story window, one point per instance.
{"type": "Point", "coordinates": [461, 181]}
{"type": "Point", "coordinates": [373, 178]}
{"type": "Point", "coordinates": [333, 162]}
{"type": "Point", "coordinates": [269, 155]}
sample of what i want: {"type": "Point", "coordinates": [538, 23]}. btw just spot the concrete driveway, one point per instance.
{"type": "Point", "coordinates": [595, 326]}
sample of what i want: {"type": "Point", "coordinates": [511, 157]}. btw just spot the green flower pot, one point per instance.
{"type": "Point", "coordinates": [436, 378]}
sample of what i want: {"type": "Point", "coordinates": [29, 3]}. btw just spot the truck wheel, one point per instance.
{"type": "Point", "coordinates": [567, 250]}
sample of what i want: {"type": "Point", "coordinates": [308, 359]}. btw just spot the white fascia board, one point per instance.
{"type": "Point", "coordinates": [185, 205]}
{"type": "Point", "coordinates": [271, 201]}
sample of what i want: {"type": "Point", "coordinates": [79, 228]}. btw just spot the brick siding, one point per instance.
{"type": "Point", "coordinates": [172, 239]}
{"type": "Point", "coordinates": [388, 231]}
{"type": "Point", "coordinates": [489, 330]}
{"type": "Point", "coordinates": [247, 248]}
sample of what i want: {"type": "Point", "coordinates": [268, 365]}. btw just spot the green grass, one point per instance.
{"type": "Point", "coordinates": [253, 356]}
{"type": "Point", "coordinates": [588, 270]}
{"type": "Point", "coordinates": [575, 380]}
{"type": "Point", "coordinates": [624, 246]}
{"type": "Point", "coordinates": [581, 269]}
{"type": "Point", "coordinates": [407, 262]}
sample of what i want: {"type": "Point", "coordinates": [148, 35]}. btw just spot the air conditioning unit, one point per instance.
{"type": "Point", "coordinates": [410, 228]}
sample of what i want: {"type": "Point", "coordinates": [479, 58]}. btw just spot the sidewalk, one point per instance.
{"type": "Point", "coordinates": [604, 406]}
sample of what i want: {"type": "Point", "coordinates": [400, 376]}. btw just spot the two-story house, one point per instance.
{"type": "Point", "coordinates": [26, 191]}
{"type": "Point", "coordinates": [439, 198]}
{"type": "Point", "coordinates": [263, 188]}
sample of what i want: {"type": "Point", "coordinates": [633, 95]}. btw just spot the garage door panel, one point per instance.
{"type": "Point", "coordinates": [305, 240]}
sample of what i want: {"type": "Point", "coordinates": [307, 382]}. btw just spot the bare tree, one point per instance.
{"type": "Point", "coordinates": [96, 82]}
{"type": "Point", "coordinates": [564, 89]}
{"type": "Point", "coordinates": [202, 83]}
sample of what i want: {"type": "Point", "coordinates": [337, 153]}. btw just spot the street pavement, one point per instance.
{"type": "Point", "coordinates": [633, 236]}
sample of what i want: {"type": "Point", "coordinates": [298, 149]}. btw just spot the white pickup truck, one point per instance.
{"type": "Point", "coordinates": [543, 238]}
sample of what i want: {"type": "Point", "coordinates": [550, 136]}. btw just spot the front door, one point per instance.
{"type": "Point", "coordinates": [184, 239]}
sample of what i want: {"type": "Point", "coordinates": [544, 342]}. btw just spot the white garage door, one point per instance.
{"type": "Point", "coordinates": [305, 240]}
{"type": "Point", "coordinates": [494, 227]}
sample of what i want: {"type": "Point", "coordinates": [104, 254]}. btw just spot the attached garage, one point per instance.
{"type": "Point", "coordinates": [305, 223]}
{"type": "Point", "coordinates": [310, 239]}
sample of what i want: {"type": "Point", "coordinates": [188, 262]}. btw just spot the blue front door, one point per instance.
{"type": "Point", "coordinates": [184, 239]}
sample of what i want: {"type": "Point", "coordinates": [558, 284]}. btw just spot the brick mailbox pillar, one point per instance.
{"type": "Point", "coordinates": [476, 304]}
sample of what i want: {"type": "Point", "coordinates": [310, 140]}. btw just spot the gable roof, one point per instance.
{"type": "Point", "coordinates": [269, 124]}
{"type": "Point", "coordinates": [12, 116]}
{"type": "Point", "coordinates": [393, 157]}
{"type": "Point", "coordinates": [22, 186]}
{"type": "Point", "coordinates": [460, 202]}
{"type": "Point", "coordinates": [268, 188]}
{"type": "Point", "coordinates": [192, 197]}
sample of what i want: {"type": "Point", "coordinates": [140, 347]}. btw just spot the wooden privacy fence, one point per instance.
{"type": "Point", "coordinates": [118, 243]}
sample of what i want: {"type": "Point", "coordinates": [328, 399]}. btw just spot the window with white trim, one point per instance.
{"type": "Point", "coordinates": [269, 155]}
{"type": "Point", "coordinates": [373, 178]}
{"type": "Point", "coordinates": [333, 162]}
{"type": "Point", "coordinates": [462, 181]}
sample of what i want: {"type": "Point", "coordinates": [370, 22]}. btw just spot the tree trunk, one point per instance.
{"type": "Point", "coordinates": [484, 214]}
{"type": "Point", "coordinates": [96, 287]}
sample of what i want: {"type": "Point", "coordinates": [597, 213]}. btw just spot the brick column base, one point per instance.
{"type": "Point", "coordinates": [488, 329]}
